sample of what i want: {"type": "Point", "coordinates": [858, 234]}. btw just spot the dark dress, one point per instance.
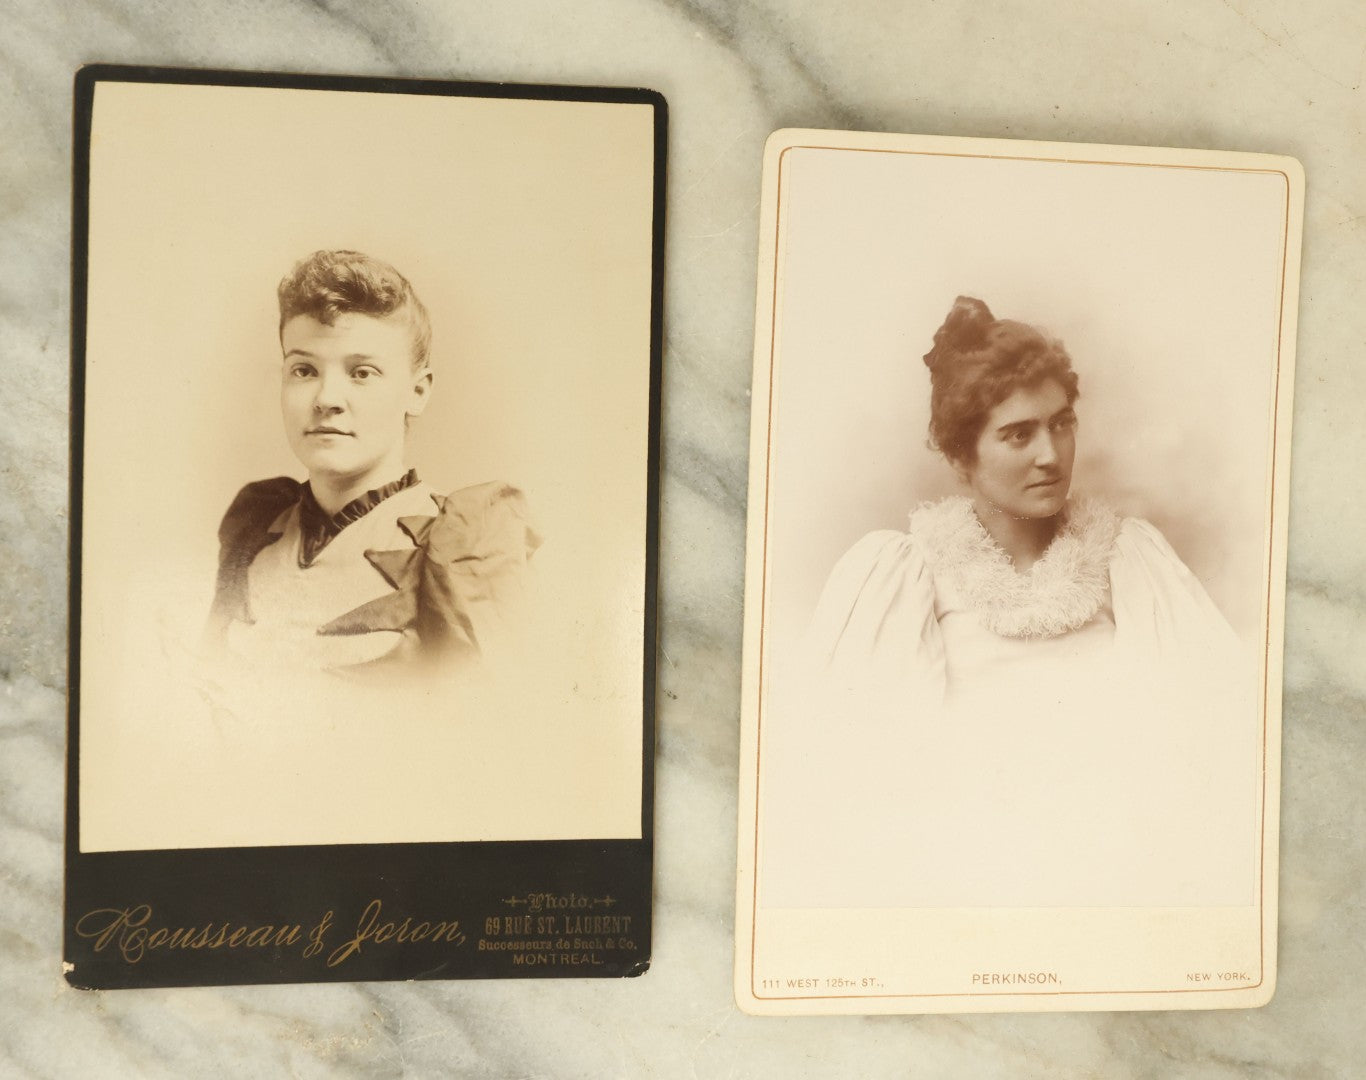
{"type": "Point", "coordinates": [401, 574]}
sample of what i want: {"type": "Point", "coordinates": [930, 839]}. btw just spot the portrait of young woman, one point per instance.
{"type": "Point", "coordinates": [353, 560]}
{"type": "Point", "coordinates": [363, 564]}
{"type": "Point", "coordinates": [1018, 576]}
{"type": "Point", "coordinates": [1022, 675]}
{"type": "Point", "coordinates": [1015, 534]}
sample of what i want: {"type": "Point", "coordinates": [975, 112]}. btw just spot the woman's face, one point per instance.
{"type": "Point", "coordinates": [1025, 452]}
{"type": "Point", "coordinates": [347, 392]}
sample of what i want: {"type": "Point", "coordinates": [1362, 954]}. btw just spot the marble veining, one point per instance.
{"type": "Point", "coordinates": [1227, 74]}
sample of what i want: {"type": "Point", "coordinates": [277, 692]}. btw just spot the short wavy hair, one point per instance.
{"type": "Point", "coordinates": [331, 283]}
{"type": "Point", "coordinates": [976, 362]}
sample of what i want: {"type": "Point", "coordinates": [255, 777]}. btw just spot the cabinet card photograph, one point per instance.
{"type": "Point", "coordinates": [1015, 577]}
{"type": "Point", "coordinates": [365, 442]}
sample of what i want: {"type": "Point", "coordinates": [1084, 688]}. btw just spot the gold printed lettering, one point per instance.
{"type": "Point", "coordinates": [371, 929]}
{"type": "Point", "coordinates": [363, 931]}
{"type": "Point", "coordinates": [448, 931]}
{"type": "Point", "coordinates": [104, 923]}
{"type": "Point", "coordinates": [180, 938]}
{"type": "Point", "coordinates": [128, 931]}
{"type": "Point", "coordinates": [133, 943]}
{"type": "Point", "coordinates": [316, 936]}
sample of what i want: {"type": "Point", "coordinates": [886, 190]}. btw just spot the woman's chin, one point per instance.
{"type": "Point", "coordinates": [335, 468]}
{"type": "Point", "coordinates": [1043, 505]}
{"type": "Point", "coordinates": [1031, 503]}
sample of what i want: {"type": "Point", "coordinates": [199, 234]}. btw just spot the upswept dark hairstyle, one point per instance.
{"type": "Point", "coordinates": [978, 361]}
{"type": "Point", "coordinates": [331, 283]}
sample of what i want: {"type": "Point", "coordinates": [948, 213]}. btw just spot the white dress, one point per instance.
{"type": "Point", "coordinates": [956, 733]}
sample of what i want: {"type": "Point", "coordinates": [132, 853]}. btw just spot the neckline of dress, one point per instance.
{"type": "Point", "coordinates": [1062, 591]}
{"type": "Point", "coordinates": [318, 528]}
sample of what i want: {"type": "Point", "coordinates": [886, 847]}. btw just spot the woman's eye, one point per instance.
{"type": "Point", "coordinates": [361, 374]}
{"type": "Point", "coordinates": [300, 371]}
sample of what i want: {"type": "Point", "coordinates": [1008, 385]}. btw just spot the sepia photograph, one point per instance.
{"type": "Point", "coordinates": [366, 484]}
{"type": "Point", "coordinates": [1013, 596]}
{"type": "Point", "coordinates": [362, 562]}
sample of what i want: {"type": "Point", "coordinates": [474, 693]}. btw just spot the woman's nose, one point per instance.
{"type": "Point", "coordinates": [328, 397]}
{"type": "Point", "coordinates": [1045, 453]}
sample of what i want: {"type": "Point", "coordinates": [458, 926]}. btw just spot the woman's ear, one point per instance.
{"type": "Point", "coordinates": [421, 392]}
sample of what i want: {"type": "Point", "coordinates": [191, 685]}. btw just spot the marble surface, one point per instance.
{"type": "Point", "coordinates": [1266, 75]}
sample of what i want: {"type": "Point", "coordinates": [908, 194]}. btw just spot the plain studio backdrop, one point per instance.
{"type": "Point", "coordinates": [1162, 283]}
{"type": "Point", "coordinates": [525, 227]}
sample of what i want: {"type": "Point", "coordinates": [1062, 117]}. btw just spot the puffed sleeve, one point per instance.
{"type": "Point", "coordinates": [1186, 689]}
{"type": "Point", "coordinates": [874, 639]}
{"type": "Point", "coordinates": [242, 534]}
{"type": "Point", "coordinates": [1162, 612]}
{"type": "Point", "coordinates": [472, 577]}
{"type": "Point", "coordinates": [840, 723]}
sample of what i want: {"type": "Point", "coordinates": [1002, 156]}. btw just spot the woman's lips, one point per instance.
{"type": "Point", "coordinates": [326, 431]}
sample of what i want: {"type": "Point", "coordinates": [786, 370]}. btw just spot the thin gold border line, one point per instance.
{"type": "Point", "coordinates": [1270, 561]}
{"type": "Point", "coordinates": [763, 580]}
{"type": "Point", "coordinates": [1051, 160]}
{"type": "Point", "coordinates": [1009, 993]}
{"type": "Point", "coordinates": [763, 593]}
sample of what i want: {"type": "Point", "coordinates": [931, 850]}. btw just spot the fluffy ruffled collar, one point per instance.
{"type": "Point", "coordinates": [1061, 592]}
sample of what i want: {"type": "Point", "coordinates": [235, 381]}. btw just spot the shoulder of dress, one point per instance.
{"type": "Point", "coordinates": [1158, 600]}
{"type": "Point", "coordinates": [880, 564]}
{"type": "Point", "coordinates": [1141, 544]}
{"type": "Point", "coordinates": [480, 519]}
{"type": "Point", "coordinates": [1146, 564]}
{"type": "Point", "coordinates": [1139, 533]}
{"type": "Point", "coordinates": [877, 546]}
{"type": "Point", "coordinates": [465, 572]}
{"type": "Point", "coordinates": [242, 535]}
{"type": "Point", "coordinates": [875, 615]}
{"type": "Point", "coordinates": [479, 497]}
{"type": "Point", "coordinates": [257, 505]}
